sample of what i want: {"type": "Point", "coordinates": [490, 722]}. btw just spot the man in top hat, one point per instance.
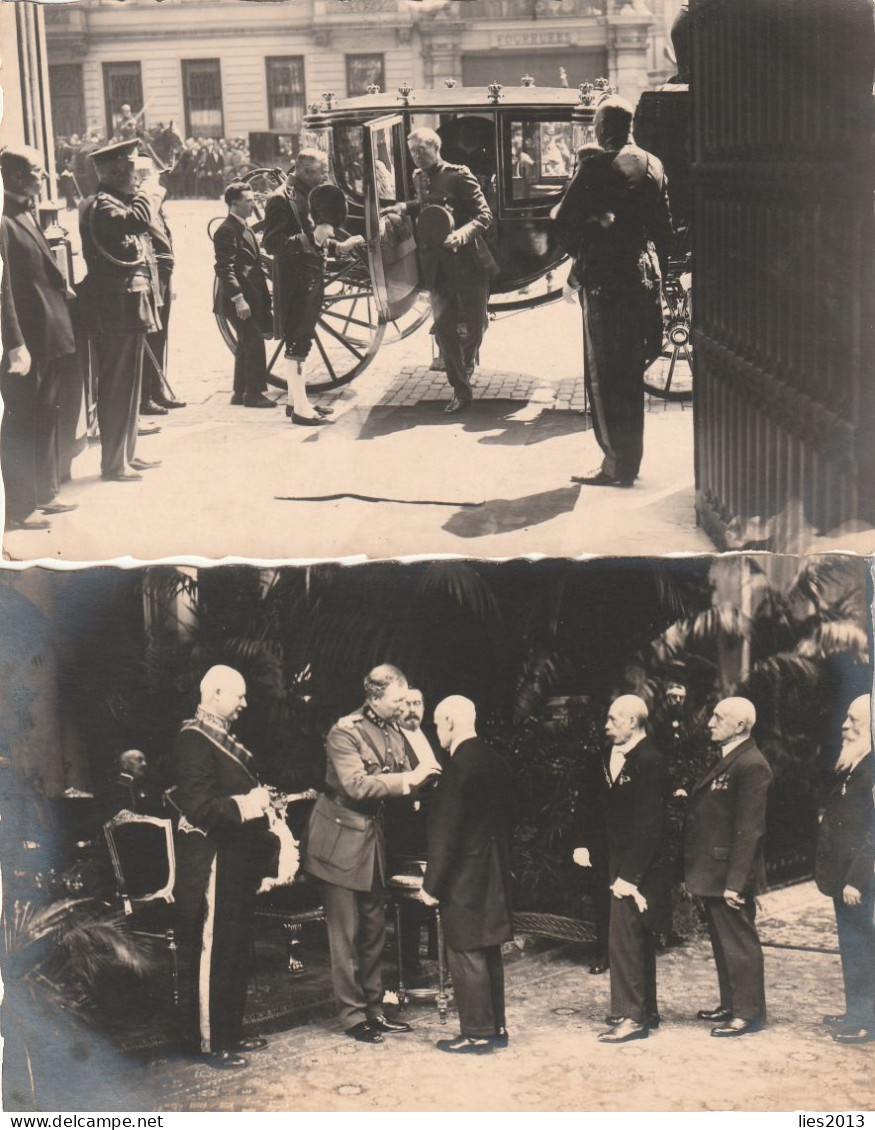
{"type": "Point", "coordinates": [457, 273]}
{"type": "Point", "coordinates": [844, 871]}
{"type": "Point", "coordinates": [614, 220]}
{"type": "Point", "coordinates": [724, 864]}
{"type": "Point", "coordinates": [121, 297]}
{"type": "Point", "coordinates": [299, 244]}
{"type": "Point", "coordinates": [37, 333]}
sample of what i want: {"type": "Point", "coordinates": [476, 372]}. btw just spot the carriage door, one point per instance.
{"type": "Point", "coordinates": [392, 257]}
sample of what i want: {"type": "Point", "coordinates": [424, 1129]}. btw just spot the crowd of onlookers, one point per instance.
{"type": "Point", "coordinates": [199, 167]}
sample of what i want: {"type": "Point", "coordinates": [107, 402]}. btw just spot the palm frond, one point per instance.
{"type": "Point", "coordinates": [464, 584]}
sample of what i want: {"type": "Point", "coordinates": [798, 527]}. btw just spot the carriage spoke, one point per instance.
{"type": "Point", "coordinates": [343, 341]}
{"type": "Point", "coordinates": [328, 364]}
{"type": "Point", "coordinates": [276, 354]}
{"type": "Point", "coordinates": [347, 319]}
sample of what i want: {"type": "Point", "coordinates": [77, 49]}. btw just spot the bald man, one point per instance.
{"type": "Point", "coordinates": [468, 874]}
{"type": "Point", "coordinates": [635, 824]}
{"type": "Point", "coordinates": [724, 864]}
{"type": "Point", "coordinates": [844, 872]}
{"type": "Point", "coordinates": [223, 849]}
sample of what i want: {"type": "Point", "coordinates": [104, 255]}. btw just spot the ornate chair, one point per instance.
{"type": "Point", "coordinates": [144, 866]}
{"type": "Point", "coordinates": [403, 886]}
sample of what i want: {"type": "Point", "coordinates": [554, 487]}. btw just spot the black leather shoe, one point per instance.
{"type": "Point", "coordinates": [600, 479]}
{"type": "Point", "coordinates": [123, 477]}
{"type": "Point", "coordinates": [501, 1039]}
{"type": "Point", "coordinates": [854, 1035]}
{"type": "Point", "coordinates": [652, 1021]}
{"type": "Point", "coordinates": [715, 1015]}
{"type": "Point", "coordinates": [259, 402]}
{"type": "Point", "coordinates": [737, 1027]}
{"type": "Point", "coordinates": [59, 507]}
{"type": "Point", "coordinates": [250, 1044]}
{"type": "Point", "coordinates": [457, 405]}
{"type": "Point", "coordinates": [835, 1020]}
{"type": "Point", "coordinates": [27, 524]}
{"type": "Point", "coordinates": [467, 1045]}
{"type": "Point", "coordinates": [598, 967]}
{"type": "Point", "coordinates": [384, 1024]}
{"type": "Point", "coordinates": [309, 421]}
{"type": "Point", "coordinates": [170, 402]}
{"type": "Point", "coordinates": [235, 399]}
{"type": "Point", "coordinates": [151, 408]}
{"type": "Point", "coordinates": [364, 1033]}
{"type": "Point", "coordinates": [324, 411]}
{"type": "Point", "coordinates": [145, 464]}
{"type": "Point", "coordinates": [624, 1031]}
{"type": "Point", "coordinates": [226, 1061]}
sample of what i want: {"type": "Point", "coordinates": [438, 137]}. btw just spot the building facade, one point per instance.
{"type": "Point", "coordinates": [234, 68]}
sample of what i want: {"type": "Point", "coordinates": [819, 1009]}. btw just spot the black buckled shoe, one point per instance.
{"type": "Point", "coordinates": [467, 1045]}
{"type": "Point", "coordinates": [226, 1061]}
{"type": "Point", "coordinates": [364, 1033]}
{"type": "Point", "coordinates": [852, 1035]}
{"type": "Point", "coordinates": [715, 1015]}
{"type": "Point", "coordinates": [384, 1024]}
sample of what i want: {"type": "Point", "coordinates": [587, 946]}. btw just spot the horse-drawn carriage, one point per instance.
{"type": "Point", "coordinates": [519, 142]}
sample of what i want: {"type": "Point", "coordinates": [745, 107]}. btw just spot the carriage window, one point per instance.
{"type": "Point", "coordinates": [349, 159]}
{"type": "Point", "coordinates": [384, 164]}
{"type": "Point", "coordinates": [542, 159]}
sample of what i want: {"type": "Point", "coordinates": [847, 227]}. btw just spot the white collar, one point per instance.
{"type": "Point", "coordinates": [728, 747]}
{"type": "Point", "coordinates": [627, 746]}
{"type": "Point", "coordinates": [463, 737]}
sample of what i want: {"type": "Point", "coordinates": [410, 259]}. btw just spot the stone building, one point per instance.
{"type": "Point", "coordinates": [234, 68]}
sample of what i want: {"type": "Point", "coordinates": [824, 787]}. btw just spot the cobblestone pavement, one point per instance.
{"type": "Point", "coordinates": [393, 475]}
{"type": "Point", "coordinates": [555, 1063]}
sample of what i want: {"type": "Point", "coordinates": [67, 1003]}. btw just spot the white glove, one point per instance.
{"type": "Point", "coordinates": [253, 804]}
{"type": "Point", "coordinates": [322, 233]}
{"type": "Point", "coordinates": [19, 361]}
{"type": "Point", "coordinates": [581, 857]}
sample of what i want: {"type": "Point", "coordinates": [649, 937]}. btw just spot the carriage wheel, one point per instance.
{"type": "Point", "coordinates": [670, 376]}
{"type": "Point", "coordinates": [348, 333]}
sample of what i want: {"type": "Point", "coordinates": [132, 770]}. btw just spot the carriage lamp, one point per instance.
{"type": "Point", "coordinates": [372, 88]}
{"type": "Point", "coordinates": [527, 80]}
{"type": "Point", "coordinates": [313, 108]}
{"type": "Point", "coordinates": [494, 89]}
{"type": "Point", "coordinates": [328, 98]}
{"type": "Point", "coordinates": [449, 83]}
{"type": "Point", "coordinates": [587, 93]}
{"type": "Point", "coordinates": [602, 83]}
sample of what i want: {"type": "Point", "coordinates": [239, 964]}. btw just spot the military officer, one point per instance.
{"type": "Point", "coordinates": [155, 399]}
{"type": "Point", "coordinates": [614, 220]}
{"type": "Point", "coordinates": [121, 298]}
{"type": "Point", "coordinates": [724, 866]}
{"type": "Point", "coordinates": [367, 764]}
{"type": "Point", "coordinates": [457, 274]}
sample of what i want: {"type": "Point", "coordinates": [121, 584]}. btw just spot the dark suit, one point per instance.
{"type": "Point", "coordinates": [120, 299]}
{"type": "Point", "coordinates": [619, 264]}
{"type": "Point", "coordinates": [345, 848]}
{"type": "Point", "coordinates": [162, 242]}
{"type": "Point", "coordinates": [469, 872]}
{"type": "Point", "coordinates": [37, 302]}
{"type": "Point", "coordinates": [846, 857]}
{"type": "Point", "coordinates": [635, 826]}
{"type": "Point", "coordinates": [239, 271]}
{"type": "Point", "coordinates": [220, 860]}
{"type": "Point", "coordinates": [299, 272]}
{"type": "Point", "coordinates": [458, 280]}
{"type": "Point", "coordinates": [724, 837]}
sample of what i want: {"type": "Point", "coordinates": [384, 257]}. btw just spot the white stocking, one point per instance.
{"type": "Point", "coordinates": [298, 388]}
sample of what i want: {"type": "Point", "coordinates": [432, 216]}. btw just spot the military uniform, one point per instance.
{"type": "Point", "coordinates": [458, 280]}
{"type": "Point", "coordinates": [121, 298]}
{"type": "Point", "coordinates": [346, 850]}
{"type": "Point", "coordinates": [220, 860]}
{"type": "Point", "coordinates": [299, 268]}
{"type": "Point", "coordinates": [614, 220]}
{"type": "Point", "coordinates": [723, 850]}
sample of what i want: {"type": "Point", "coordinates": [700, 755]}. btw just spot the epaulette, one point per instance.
{"type": "Point", "coordinates": [589, 151]}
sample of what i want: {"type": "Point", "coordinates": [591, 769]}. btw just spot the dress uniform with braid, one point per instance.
{"type": "Point", "coordinates": [220, 861]}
